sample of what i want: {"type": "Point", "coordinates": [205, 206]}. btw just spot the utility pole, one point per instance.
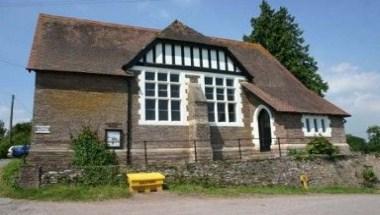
{"type": "Point", "coordinates": [11, 120]}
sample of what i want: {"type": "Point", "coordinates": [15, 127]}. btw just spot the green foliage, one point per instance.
{"type": "Point", "coordinates": [21, 134]}
{"type": "Point", "coordinates": [3, 130]}
{"type": "Point", "coordinates": [101, 175]}
{"type": "Point", "coordinates": [10, 174]}
{"type": "Point", "coordinates": [298, 154]}
{"type": "Point", "coordinates": [68, 193]}
{"type": "Point", "coordinates": [369, 177]}
{"type": "Point", "coordinates": [373, 144]}
{"type": "Point", "coordinates": [321, 146]}
{"type": "Point", "coordinates": [202, 181]}
{"type": "Point", "coordinates": [94, 159]}
{"type": "Point", "coordinates": [261, 190]}
{"type": "Point", "coordinates": [357, 144]}
{"type": "Point", "coordinates": [373, 132]}
{"type": "Point", "coordinates": [374, 139]}
{"type": "Point", "coordinates": [9, 188]}
{"type": "Point", "coordinates": [278, 32]}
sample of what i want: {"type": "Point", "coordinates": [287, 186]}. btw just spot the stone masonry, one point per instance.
{"type": "Point", "coordinates": [344, 171]}
{"type": "Point", "coordinates": [198, 121]}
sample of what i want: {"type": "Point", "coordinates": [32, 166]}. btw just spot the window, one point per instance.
{"type": "Point", "coordinates": [113, 138]}
{"type": "Point", "coordinates": [314, 125]}
{"type": "Point", "coordinates": [308, 124]}
{"type": "Point", "coordinates": [221, 99]}
{"type": "Point", "coordinates": [211, 111]}
{"type": "Point", "coordinates": [162, 96]}
{"type": "Point", "coordinates": [323, 125]}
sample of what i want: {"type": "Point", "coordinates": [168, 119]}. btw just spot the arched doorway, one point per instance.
{"type": "Point", "coordinates": [265, 133]}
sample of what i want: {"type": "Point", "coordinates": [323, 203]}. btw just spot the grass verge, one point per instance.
{"type": "Point", "coordinates": [265, 190]}
{"type": "Point", "coordinates": [9, 188]}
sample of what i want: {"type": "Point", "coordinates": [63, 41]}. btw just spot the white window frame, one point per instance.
{"type": "Point", "coordinates": [237, 95]}
{"type": "Point", "coordinates": [313, 130]}
{"type": "Point", "coordinates": [182, 97]}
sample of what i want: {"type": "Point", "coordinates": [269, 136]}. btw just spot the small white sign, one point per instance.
{"type": "Point", "coordinates": [42, 129]}
{"type": "Point", "coordinates": [113, 138]}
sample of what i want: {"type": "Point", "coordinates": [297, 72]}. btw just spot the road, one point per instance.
{"type": "Point", "coordinates": [167, 203]}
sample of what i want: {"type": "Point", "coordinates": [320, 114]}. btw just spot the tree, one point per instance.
{"type": "Point", "coordinates": [374, 138]}
{"type": "Point", "coordinates": [278, 32]}
{"type": "Point", "coordinates": [3, 130]}
{"type": "Point", "coordinates": [357, 144]}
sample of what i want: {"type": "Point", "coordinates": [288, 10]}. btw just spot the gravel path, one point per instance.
{"type": "Point", "coordinates": [167, 203]}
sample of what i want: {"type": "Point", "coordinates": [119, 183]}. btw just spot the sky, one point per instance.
{"type": "Point", "coordinates": [344, 38]}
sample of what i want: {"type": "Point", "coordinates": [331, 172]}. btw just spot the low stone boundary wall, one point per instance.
{"type": "Point", "coordinates": [343, 171]}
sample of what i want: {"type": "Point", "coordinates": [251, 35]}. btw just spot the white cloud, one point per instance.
{"type": "Point", "coordinates": [347, 78]}
{"type": "Point", "coordinates": [357, 92]}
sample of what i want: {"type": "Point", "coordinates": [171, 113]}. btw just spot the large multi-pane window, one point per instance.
{"type": "Point", "coordinates": [162, 96]}
{"type": "Point", "coordinates": [221, 99]}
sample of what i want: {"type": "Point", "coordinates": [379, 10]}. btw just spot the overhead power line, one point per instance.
{"type": "Point", "coordinates": [13, 4]}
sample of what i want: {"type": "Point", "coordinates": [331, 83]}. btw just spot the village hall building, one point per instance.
{"type": "Point", "coordinates": [164, 91]}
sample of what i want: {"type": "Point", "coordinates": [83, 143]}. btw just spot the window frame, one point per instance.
{"type": "Point", "coordinates": [236, 100]}
{"type": "Point", "coordinates": [316, 125]}
{"type": "Point", "coordinates": [168, 82]}
{"type": "Point", "coordinates": [140, 70]}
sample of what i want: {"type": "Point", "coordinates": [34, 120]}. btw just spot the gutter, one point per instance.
{"type": "Point", "coordinates": [129, 121]}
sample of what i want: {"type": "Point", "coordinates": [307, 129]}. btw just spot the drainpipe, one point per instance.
{"type": "Point", "coordinates": [129, 121]}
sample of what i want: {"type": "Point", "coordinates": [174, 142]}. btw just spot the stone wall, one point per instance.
{"type": "Point", "coordinates": [345, 171]}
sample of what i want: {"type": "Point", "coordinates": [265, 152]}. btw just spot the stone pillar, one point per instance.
{"type": "Point", "coordinates": [199, 128]}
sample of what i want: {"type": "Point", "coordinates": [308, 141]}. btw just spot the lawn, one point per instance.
{"type": "Point", "coordinates": [9, 189]}
{"type": "Point", "coordinates": [265, 190]}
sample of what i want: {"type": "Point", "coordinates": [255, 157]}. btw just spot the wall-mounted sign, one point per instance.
{"type": "Point", "coordinates": [42, 129]}
{"type": "Point", "coordinates": [113, 138]}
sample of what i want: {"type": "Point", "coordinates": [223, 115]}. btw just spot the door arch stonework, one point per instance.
{"type": "Point", "coordinates": [255, 126]}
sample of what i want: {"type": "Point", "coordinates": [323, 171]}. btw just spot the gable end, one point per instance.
{"type": "Point", "coordinates": [184, 55]}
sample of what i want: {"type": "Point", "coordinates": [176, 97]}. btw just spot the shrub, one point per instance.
{"type": "Point", "coordinates": [298, 154]}
{"type": "Point", "coordinates": [4, 146]}
{"type": "Point", "coordinates": [321, 146]}
{"type": "Point", "coordinates": [369, 177]}
{"type": "Point", "coordinates": [94, 159]}
{"type": "Point", "coordinates": [10, 174]}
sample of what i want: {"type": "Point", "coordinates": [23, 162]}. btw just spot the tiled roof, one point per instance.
{"type": "Point", "coordinates": [178, 31]}
{"type": "Point", "coordinates": [77, 45]}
